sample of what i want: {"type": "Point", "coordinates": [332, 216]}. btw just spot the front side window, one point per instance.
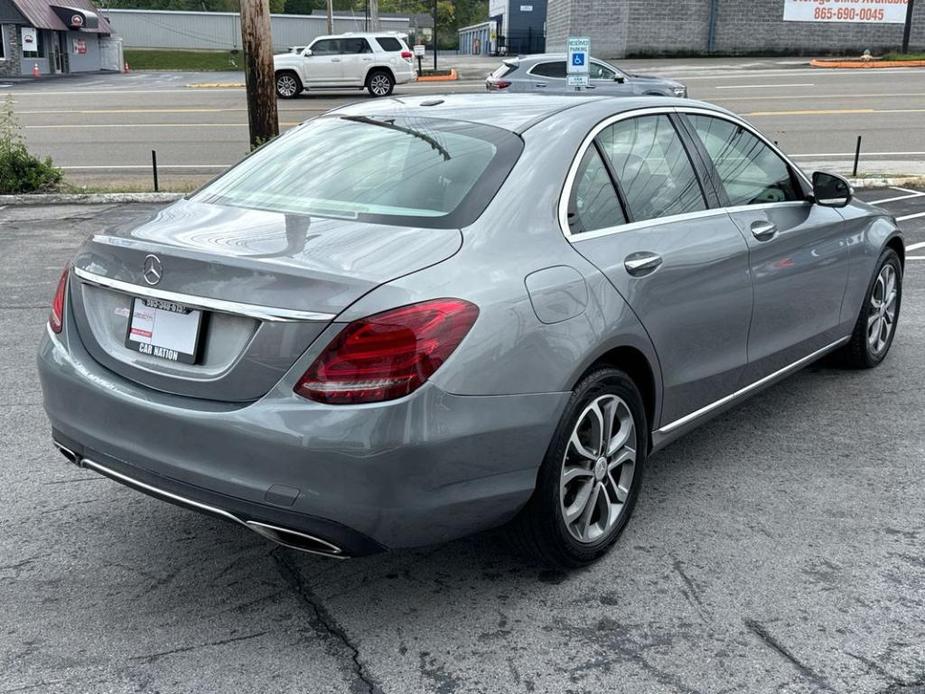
{"type": "Point", "coordinates": [751, 172]}
{"type": "Point", "coordinates": [652, 167]}
{"type": "Point", "coordinates": [594, 203]}
{"type": "Point", "coordinates": [556, 69]}
{"type": "Point", "coordinates": [414, 171]}
{"type": "Point", "coordinates": [326, 47]}
{"type": "Point", "coordinates": [599, 72]}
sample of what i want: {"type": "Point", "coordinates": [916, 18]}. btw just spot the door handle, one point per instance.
{"type": "Point", "coordinates": [639, 264]}
{"type": "Point", "coordinates": [539, 85]}
{"type": "Point", "coordinates": [335, 60]}
{"type": "Point", "coordinates": [763, 231]}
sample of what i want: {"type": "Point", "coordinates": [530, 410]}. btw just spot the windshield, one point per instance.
{"type": "Point", "coordinates": [428, 172]}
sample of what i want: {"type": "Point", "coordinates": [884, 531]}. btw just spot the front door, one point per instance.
{"type": "Point", "coordinates": [324, 67]}
{"type": "Point", "coordinates": [606, 81]}
{"type": "Point", "coordinates": [678, 260]}
{"type": "Point", "coordinates": [799, 256]}
{"type": "Point", "coordinates": [61, 56]}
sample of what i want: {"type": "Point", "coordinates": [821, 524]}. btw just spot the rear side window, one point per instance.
{"type": "Point", "coordinates": [594, 203]}
{"type": "Point", "coordinates": [413, 171]}
{"type": "Point", "coordinates": [355, 46]}
{"type": "Point", "coordinates": [751, 172]}
{"type": "Point", "coordinates": [652, 167]}
{"type": "Point", "coordinates": [555, 69]}
{"type": "Point", "coordinates": [389, 43]}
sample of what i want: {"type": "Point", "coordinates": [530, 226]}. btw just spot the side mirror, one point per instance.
{"type": "Point", "coordinates": [619, 79]}
{"type": "Point", "coordinates": [830, 190]}
{"type": "Point", "coordinates": [307, 52]}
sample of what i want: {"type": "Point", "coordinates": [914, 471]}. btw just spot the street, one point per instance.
{"type": "Point", "coordinates": [101, 128]}
{"type": "Point", "coordinates": [775, 549]}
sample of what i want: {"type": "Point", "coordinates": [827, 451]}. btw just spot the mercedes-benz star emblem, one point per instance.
{"type": "Point", "coordinates": [153, 269]}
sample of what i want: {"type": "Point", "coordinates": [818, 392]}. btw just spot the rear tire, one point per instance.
{"type": "Point", "coordinates": [555, 526]}
{"type": "Point", "coordinates": [876, 324]}
{"type": "Point", "coordinates": [380, 83]}
{"type": "Point", "coordinates": [288, 84]}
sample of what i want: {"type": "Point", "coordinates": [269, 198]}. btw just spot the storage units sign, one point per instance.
{"type": "Point", "coordinates": [871, 11]}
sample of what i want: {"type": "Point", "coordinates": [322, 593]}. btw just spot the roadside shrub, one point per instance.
{"type": "Point", "coordinates": [21, 172]}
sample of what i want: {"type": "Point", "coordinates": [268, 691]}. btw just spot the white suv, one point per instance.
{"type": "Point", "coordinates": [376, 62]}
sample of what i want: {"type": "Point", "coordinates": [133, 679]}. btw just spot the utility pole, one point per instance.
{"type": "Point", "coordinates": [907, 31]}
{"type": "Point", "coordinates": [373, 6]}
{"type": "Point", "coordinates": [330, 27]}
{"type": "Point", "coordinates": [259, 77]}
{"type": "Point", "coordinates": [435, 35]}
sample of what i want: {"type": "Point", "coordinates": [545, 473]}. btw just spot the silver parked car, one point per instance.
{"type": "Point", "coordinates": [409, 320]}
{"type": "Point", "coordinates": [547, 73]}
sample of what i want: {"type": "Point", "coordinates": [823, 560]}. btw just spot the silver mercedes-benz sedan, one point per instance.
{"type": "Point", "coordinates": [409, 320]}
{"type": "Point", "coordinates": [546, 73]}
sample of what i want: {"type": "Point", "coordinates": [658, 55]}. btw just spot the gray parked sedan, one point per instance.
{"type": "Point", "coordinates": [547, 73]}
{"type": "Point", "coordinates": [409, 320]}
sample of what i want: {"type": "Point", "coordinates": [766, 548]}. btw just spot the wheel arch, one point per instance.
{"type": "Point", "coordinates": [634, 362]}
{"type": "Point", "coordinates": [896, 243]}
{"type": "Point", "coordinates": [379, 68]}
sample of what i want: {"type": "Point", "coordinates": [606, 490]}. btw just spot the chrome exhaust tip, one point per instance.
{"type": "Point", "coordinates": [68, 453]}
{"type": "Point", "coordinates": [293, 539]}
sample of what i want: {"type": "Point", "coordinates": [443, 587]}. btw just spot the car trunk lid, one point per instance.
{"type": "Point", "coordinates": [266, 283]}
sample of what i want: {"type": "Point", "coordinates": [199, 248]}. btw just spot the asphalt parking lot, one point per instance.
{"type": "Point", "coordinates": [776, 549]}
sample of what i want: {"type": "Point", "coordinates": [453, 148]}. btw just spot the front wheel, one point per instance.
{"type": "Point", "coordinates": [589, 480]}
{"type": "Point", "coordinates": [380, 83]}
{"type": "Point", "coordinates": [288, 85]}
{"type": "Point", "coordinates": [876, 324]}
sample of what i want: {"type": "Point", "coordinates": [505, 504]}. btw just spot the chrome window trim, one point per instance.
{"type": "Point", "coordinates": [263, 313]}
{"type": "Point", "coordinates": [615, 70]}
{"type": "Point", "coordinates": [649, 111]}
{"type": "Point", "coordinates": [780, 373]}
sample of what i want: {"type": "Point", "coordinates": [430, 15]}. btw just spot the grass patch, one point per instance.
{"type": "Point", "coordinates": [189, 61]}
{"type": "Point", "coordinates": [178, 186]}
{"type": "Point", "coordinates": [904, 56]}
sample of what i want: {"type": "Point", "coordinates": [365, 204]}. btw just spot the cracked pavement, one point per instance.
{"type": "Point", "coordinates": [776, 549]}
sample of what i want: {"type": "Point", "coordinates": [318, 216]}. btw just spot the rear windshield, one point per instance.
{"type": "Point", "coordinates": [413, 171]}
{"type": "Point", "coordinates": [390, 43]}
{"type": "Point", "coordinates": [505, 69]}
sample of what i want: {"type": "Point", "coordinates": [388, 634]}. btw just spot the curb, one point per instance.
{"type": "Point", "coordinates": [452, 77]}
{"type": "Point", "coordinates": [216, 85]}
{"type": "Point", "coordinates": [862, 65]}
{"type": "Point", "coordinates": [86, 198]}
{"type": "Point", "coordinates": [887, 181]}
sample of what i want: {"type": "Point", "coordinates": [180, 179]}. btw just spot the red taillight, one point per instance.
{"type": "Point", "coordinates": [388, 355]}
{"type": "Point", "coordinates": [406, 55]}
{"type": "Point", "coordinates": [501, 84]}
{"type": "Point", "coordinates": [56, 317]}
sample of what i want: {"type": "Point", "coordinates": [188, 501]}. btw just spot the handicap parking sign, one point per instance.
{"type": "Point", "coordinates": [578, 49]}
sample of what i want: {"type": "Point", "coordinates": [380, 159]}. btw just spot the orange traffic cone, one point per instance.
{"type": "Point", "coordinates": [36, 73]}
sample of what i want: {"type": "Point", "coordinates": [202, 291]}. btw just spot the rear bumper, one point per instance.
{"type": "Point", "coordinates": [427, 468]}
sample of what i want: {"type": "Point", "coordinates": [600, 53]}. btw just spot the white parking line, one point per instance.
{"type": "Point", "coordinates": [765, 86]}
{"type": "Point", "coordinates": [896, 199]}
{"type": "Point", "coordinates": [915, 246]}
{"type": "Point", "coordinates": [915, 257]}
{"type": "Point", "coordinates": [911, 216]}
{"type": "Point", "coordinates": [820, 155]}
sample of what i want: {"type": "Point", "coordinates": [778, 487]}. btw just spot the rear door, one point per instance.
{"type": "Point", "coordinates": [324, 67]}
{"type": "Point", "coordinates": [799, 256]}
{"type": "Point", "coordinates": [356, 59]}
{"type": "Point", "coordinates": [547, 76]}
{"type": "Point", "coordinates": [639, 212]}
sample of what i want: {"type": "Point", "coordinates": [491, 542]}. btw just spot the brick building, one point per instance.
{"type": "Point", "coordinates": [57, 38]}
{"type": "Point", "coordinates": [620, 28]}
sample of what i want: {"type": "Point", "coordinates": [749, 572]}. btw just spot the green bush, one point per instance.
{"type": "Point", "coordinates": [21, 172]}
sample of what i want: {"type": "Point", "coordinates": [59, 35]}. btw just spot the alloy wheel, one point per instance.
{"type": "Point", "coordinates": [286, 86]}
{"type": "Point", "coordinates": [597, 468]}
{"type": "Point", "coordinates": [882, 314]}
{"type": "Point", "coordinates": [379, 84]}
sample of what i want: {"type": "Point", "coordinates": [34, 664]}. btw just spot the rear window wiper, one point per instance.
{"type": "Point", "coordinates": [408, 131]}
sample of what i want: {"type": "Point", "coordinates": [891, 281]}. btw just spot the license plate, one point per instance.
{"type": "Point", "coordinates": [164, 329]}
